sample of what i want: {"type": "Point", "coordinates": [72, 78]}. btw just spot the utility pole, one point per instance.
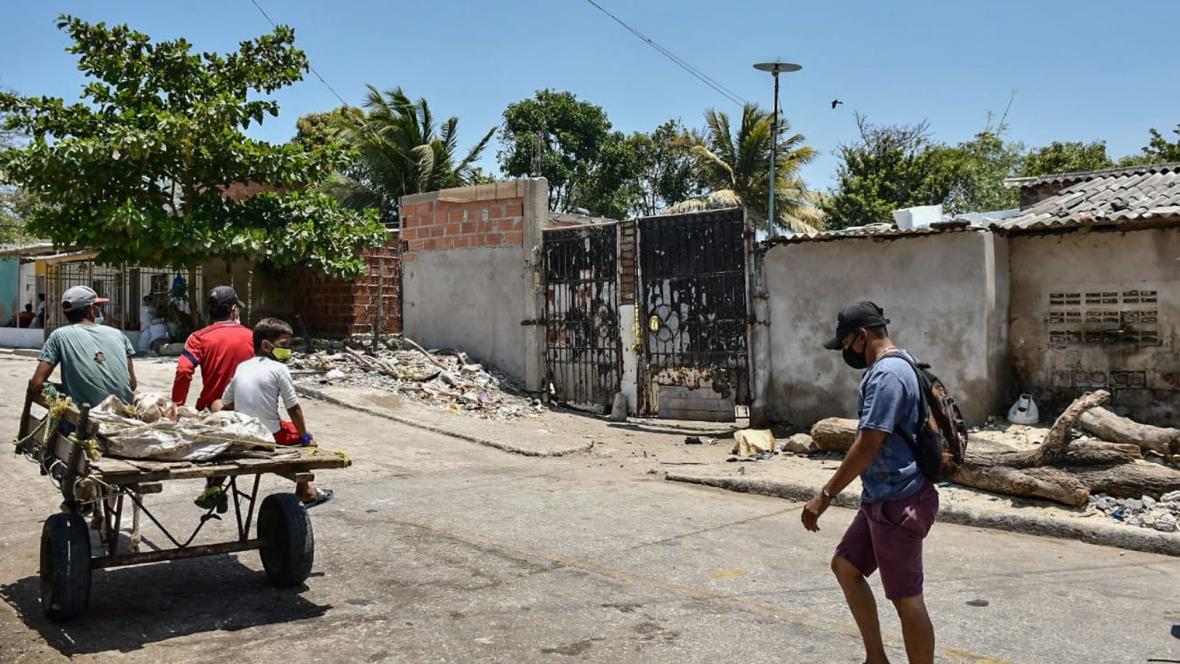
{"type": "Point", "coordinates": [775, 68]}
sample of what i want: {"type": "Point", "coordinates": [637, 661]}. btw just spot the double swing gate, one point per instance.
{"type": "Point", "coordinates": [681, 284]}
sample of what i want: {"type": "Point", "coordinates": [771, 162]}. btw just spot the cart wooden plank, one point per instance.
{"type": "Point", "coordinates": [125, 471]}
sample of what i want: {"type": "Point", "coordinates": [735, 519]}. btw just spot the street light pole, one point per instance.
{"type": "Point", "coordinates": [775, 68]}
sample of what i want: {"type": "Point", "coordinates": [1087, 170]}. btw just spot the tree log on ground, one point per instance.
{"type": "Point", "coordinates": [1060, 470]}
{"type": "Point", "coordinates": [1105, 425]}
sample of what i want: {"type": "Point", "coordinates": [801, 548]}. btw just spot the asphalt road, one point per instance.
{"type": "Point", "coordinates": [438, 550]}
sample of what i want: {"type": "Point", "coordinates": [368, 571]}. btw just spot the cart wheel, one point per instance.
{"type": "Point", "coordinates": [288, 547]}
{"type": "Point", "coordinates": [65, 566]}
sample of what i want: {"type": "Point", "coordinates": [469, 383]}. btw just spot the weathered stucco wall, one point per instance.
{"type": "Point", "coordinates": [467, 275]}
{"type": "Point", "coordinates": [945, 293]}
{"type": "Point", "coordinates": [1098, 309]}
{"type": "Point", "coordinates": [10, 303]}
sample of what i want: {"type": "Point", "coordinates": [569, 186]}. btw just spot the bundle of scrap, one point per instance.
{"type": "Point", "coordinates": [1061, 468]}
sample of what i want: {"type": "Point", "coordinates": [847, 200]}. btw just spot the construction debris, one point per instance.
{"type": "Point", "coordinates": [1145, 512]}
{"type": "Point", "coordinates": [446, 379]}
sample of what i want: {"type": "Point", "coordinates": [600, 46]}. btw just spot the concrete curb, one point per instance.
{"type": "Point", "coordinates": [313, 393]}
{"type": "Point", "coordinates": [1122, 537]}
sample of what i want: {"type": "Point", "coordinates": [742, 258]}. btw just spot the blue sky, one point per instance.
{"type": "Point", "coordinates": [1082, 69]}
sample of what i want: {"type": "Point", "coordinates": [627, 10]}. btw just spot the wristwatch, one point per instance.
{"type": "Point", "coordinates": [824, 491]}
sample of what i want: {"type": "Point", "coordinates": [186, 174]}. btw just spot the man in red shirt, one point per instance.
{"type": "Point", "coordinates": [218, 349]}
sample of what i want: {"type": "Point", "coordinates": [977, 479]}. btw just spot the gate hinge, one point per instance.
{"type": "Point", "coordinates": [533, 321]}
{"type": "Point", "coordinates": [750, 320]}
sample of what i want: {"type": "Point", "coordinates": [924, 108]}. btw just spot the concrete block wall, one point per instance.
{"type": "Point", "coordinates": [469, 274]}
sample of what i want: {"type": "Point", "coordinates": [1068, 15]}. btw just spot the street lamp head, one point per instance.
{"type": "Point", "coordinates": [777, 67]}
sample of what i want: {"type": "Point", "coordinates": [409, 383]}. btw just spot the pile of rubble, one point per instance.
{"type": "Point", "coordinates": [1146, 512]}
{"type": "Point", "coordinates": [446, 379]}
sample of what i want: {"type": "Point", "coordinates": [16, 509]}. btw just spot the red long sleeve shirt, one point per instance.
{"type": "Point", "coordinates": [218, 350]}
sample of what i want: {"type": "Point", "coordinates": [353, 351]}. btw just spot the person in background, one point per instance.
{"type": "Point", "coordinates": [40, 321]}
{"type": "Point", "coordinates": [26, 317]}
{"type": "Point", "coordinates": [260, 383]}
{"type": "Point", "coordinates": [217, 349]}
{"type": "Point", "coordinates": [95, 359]}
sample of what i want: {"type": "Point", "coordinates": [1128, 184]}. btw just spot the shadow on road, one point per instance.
{"type": "Point", "coordinates": [131, 607]}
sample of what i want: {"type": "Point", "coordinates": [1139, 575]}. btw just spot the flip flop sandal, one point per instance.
{"type": "Point", "coordinates": [321, 496]}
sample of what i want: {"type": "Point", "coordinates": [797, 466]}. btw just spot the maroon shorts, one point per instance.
{"type": "Point", "coordinates": [888, 535]}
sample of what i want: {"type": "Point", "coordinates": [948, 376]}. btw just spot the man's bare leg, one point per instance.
{"type": "Point", "coordinates": [916, 629]}
{"type": "Point", "coordinates": [863, 605]}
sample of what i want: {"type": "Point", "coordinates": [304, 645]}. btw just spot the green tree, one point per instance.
{"type": "Point", "coordinates": [570, 143]}
{"type": "Point", "coordinates": [315, 131]}
{"type": "Point", "coordinates": [1066, 157]}
{"type": "Point", "coordinates": [14, 203]}
{"type": "Point", "coordinates": [666, 171]}
{"type": "Point", "coordinates": [136, 171]}
{"type": "Point", "coordinates": [735, 168]}
{"type": "Point", "coordinates": [900, 166]}
{"type": "Point", "coordinates": [398, 150]}
{"type": "Point", "coordinates": [1158, 150]}
{"type": "Point", "coordinates": [977, 170]}
{"type": "Point", "coordinates": [890, 167]}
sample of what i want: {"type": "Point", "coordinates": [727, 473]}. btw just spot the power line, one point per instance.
{"type": "Point", "coordinates": [309, 65]}
{"type": "Point", "coordinates": [698, 74]}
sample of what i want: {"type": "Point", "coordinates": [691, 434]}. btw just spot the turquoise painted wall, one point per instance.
{"type": "Point", "coordinates": [9, 288]}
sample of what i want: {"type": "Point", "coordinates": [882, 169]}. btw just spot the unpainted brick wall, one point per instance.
{"type": "Point", "coordinates": [440, 224]}
{"type": "Point", "coordinates": [339, 308]}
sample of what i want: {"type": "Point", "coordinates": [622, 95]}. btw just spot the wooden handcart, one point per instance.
{"type": "Point", "coordinates": [98, 489]}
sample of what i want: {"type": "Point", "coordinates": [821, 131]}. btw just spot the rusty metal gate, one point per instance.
{"type": "Point", "coordinates": [694, 362]}
{"type": "Point", "coordinates": [583, 349]}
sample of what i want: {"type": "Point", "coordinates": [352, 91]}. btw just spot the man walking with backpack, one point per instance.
{"type": "Point", "coordinates": [898, 500]}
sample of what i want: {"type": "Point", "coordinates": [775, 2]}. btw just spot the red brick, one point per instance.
{"type": "Point", "coordinates": [493, 239]}
{"type": "Point", "coordinates": [514, 208]}
{"type": "Point", "coordinates": [430, 245]}
{"type": "Point", "coordinates": [436, 231]}
{"type": "Point", "coordinates": [452, 229]}
{"type": "Point", "coordinates": [469, 227]}
{"type": "Point", "coordinates": [514, 238]}
{"type": "Point", "coordinates": [508, 225]}
{"type": "Point", "coordinates": [461, 242]}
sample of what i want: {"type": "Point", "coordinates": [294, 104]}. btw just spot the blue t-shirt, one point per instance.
{"type": "Point", "coordinates": [887, 401]}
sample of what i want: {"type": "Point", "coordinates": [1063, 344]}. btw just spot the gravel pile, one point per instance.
{"type": "Point", "coordinates": [1146, 512]}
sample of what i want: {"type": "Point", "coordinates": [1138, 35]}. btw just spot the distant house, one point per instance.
{"type": "Point", "coordinates": [1080, 290]}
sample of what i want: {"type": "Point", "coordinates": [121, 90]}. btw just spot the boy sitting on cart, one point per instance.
{"type": "Point", "coordinates": [258, 385]}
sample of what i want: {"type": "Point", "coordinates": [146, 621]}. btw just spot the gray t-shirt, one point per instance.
{"type": "Point", "coordinates": [93, 361]}
{"type": "Point", "coordinates": [888, 401]}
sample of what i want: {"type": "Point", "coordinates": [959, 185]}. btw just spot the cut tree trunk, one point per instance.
{"type": "Point", "coordinates": [1130, 480]}
{"type": "Point", "coordinates": [1057, 440]}
{"type": "Point", "coordinates": [1048, 483]}
{"type": "Point", "coordinates": [1103, 424]}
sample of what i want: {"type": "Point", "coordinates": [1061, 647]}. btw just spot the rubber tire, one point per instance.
{"type": "Point", "coordinates": [288, 546]}
{"type": "Point", "coordinates": [65, 566]}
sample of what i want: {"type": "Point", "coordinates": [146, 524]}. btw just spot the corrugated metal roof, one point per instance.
{"type": "Point", "coordinates": [1078, 176]}
{"type": "Point", "coordinates": [876, 231]}
{"type": "Point", "coordinates": [1113, 196]}
{"type": "Point", "coordinates": [35, 248]}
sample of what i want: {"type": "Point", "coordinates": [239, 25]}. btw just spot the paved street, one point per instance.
{"type": "Point", "coordinates": [439, 550]}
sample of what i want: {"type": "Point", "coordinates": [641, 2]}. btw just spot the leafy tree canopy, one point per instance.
{"type": "Point", "coordinates": [734, 167]}
{"type": "Point", "coordinates": [1066, 157]}
{"type": "Point", "coordinates": [395, 149]}
{"type": "Point", "coordinates": [570, 143]}
{"type": "Point", "coordinates": [666, 170]}
{"type": "Point", "coordinates": [136, 170]}
{"type": "Point", "coordinates": [1159, 150]}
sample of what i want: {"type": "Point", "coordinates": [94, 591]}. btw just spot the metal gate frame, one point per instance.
{"type": "Point", "coordinates": [703, 257]}
{"type": "Point", "coordinates": [583, 347]}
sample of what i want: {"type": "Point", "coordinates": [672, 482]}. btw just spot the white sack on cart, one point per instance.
{"type": "Point", "coordinates": [147, 431]}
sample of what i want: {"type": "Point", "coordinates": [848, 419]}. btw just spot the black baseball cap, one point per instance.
{"type": "Point", "coordinates": [225, 296]}
{"type": "Point", "coordinates": [852, 318]}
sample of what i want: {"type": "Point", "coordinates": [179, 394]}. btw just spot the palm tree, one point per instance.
{"type": "Point", "coordinates": [400, 152]}
{"type": "Point", "coordinates": [736, 168]}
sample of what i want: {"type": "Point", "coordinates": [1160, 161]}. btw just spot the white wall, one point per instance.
{"type": "Point", "coordinates": [945, 293]}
